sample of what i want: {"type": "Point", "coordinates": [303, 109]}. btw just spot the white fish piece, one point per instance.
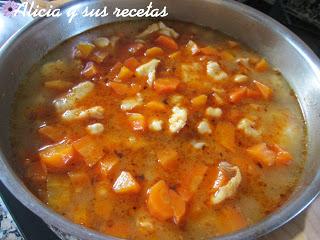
{"type": "Point", "coordinates": [214, 70]}
{"type": "Point", "coordinates": [178, 119]}
{"type": "Point", "coordinates": [204, 127]}
{"type": "Point", "coordinates": [231, 187]}
{"type": "Point", "coordinates": [158, 27]}
{"type": "Point", "coordinates": [213, 112]}
{"type": "Point", "coordinates": [156, 125]}
{"type": "Point", "coordinates": [95, 129]}
{"type": "Point", "coordinates": [77, 93]}
{"type": "Point", "coordinates": [148, 70]}
{"type": "Point", "coordinates": [247, 126]}
{"type": "Point", "coordinates": [130, 103]}
{"type": "Point", "coordinates": [96, 112]}
{"type": "Point", "coordinates": [198, 144]}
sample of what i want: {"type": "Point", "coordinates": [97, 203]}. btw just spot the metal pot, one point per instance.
{"type": "Point", "coordinates": [280, 46]}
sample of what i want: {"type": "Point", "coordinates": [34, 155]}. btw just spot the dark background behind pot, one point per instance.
{"type": "Point", "coordinates": [301, 16]}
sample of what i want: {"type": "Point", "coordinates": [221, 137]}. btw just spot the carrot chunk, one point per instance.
{"type": "Point", "coordinates": [158, 202]}
{"type": "Point", "coordinates": [262, 154]}
{"type": "Point", "coordinates": [238, 94]}
{"type": "Point", "coordinates": [107, 164]}
{"type": "Point", "coordinates": [126, 183]}
{"type": "Point", "coordinates": [90, 70]}
{"type": "Point", "coordinates": [125, 73]}
{"type": "Point", "coordinates": [154, 52]}
{"type": "Point", "coordinates": [89, 148]}
{"type": "Point", "coordinates": [199, 101]}
{"type": "Point", "coordinates": [191, 181]}
{"type": "Point", "coordinates": [57, 157]}
{"type": "Point", "coordinates": [52, 133]}
{"type": "Point", "coordinates": [166, 85]}
{"type": "Point", "coordinates": [209, 51]}
{"type": "Point", "coordinates": [178, 206]}
{"type": "Point", "coordinates": [225, 135]}
{"type": "Point", "coordinates": [167, 42]}
{"type": "Point", "coordinates": [261, 66]}
{"type": "Point", "coordinates": [283, 157]}
{"type": "Point", "coordinates": [124, 89]}
{"type": "Point", "coordinates": [132, 63]}
{"type": "Point", "coordinates": [79, 179]}
{"type": "Point", "coordinates": [156, 106]}
{"type": "Point", "coordinates": [265, 91]}
{"type": "Point", "coordinates": [168, 158]}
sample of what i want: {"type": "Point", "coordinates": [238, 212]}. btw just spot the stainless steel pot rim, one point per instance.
{"type": "Point", "coordinates": [274, 221]}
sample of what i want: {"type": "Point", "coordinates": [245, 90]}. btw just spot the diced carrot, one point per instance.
{"type": "Point", "coordinates": [178, 206]}
{"type": "Point", "coordinates": [156, 106]}
{"type": "Point", "coordinates": [265, 91]}
{"type": "Point", "coordinates": [218, 100]}
{"type": "Point", "coordinates": [175, 55]}
{"type": "Point", "coordinates": [154, 52]}
{"type": "Point", "coordinates": [168, 158]}
{"type": "Point", "coordinates": [262, 65]}
{"type": "Point", "coordinates": [236, 220]}
{"type": "Point", "coordinates": [113, 73]}
{"type": "Point", "coordinates": [192, 47]}
{"type": "Point", "coordinates": [225, 55]}
{"type": "Point", "coordinates": [54, 134]}
{"type": "Point", "coordinates": [158, 202]}
{"type": "Point", "coordinates": [126, 183]}
{"type": "Point", "coordinates": [90, 149]}
{"type": "Point", "coordinates": [283, 157]}
{"type": "Point", "coordinates": [57, 157]}
{"type": "Point", "coordinates": [137, 121]}
{"type": "Point", "coordinates": [238, 94]}
{"type": "Point", "coordinates": [108, 164]}
{"type": "Point", "coordinates": [253, 93]}
{"type": "Point", "coordinates": [85, 49]}
{"type": "Point", "coordinates": [225, 135]}
{"type": "Point", "coordinates": [166, 85]}
{"type": "Point", "coordinates": [125, 73]}
{"type": "Point", "coordinates": [99, 56]}
{"type": "Point", "coordinates": [262, 154]}
{"type": "Point", "coordinates": [132, 63]}
{"type": "Point", "coordinates": [167, 42]}
{"type": "Point", "coordinates": [191, 181]}
{"type": "Point", "coordinates": [124, 89]}
{"type": "Point", "coordinates": [199, 101]}
{"type": "Point", "coordinates": [90, 70]}
{"type": "Point", "coordinates": [58, 85]}
{"type": "Point", "coordinates": [209, 51]}
{"type": "Point", "coordinates": [135, 48]}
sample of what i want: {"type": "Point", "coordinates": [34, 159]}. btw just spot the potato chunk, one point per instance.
{"type": "Point", "coordinates": [126, 183]}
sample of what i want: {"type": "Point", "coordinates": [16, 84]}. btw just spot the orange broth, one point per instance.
{"type": "Point", "coordinates": [183, 133]}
